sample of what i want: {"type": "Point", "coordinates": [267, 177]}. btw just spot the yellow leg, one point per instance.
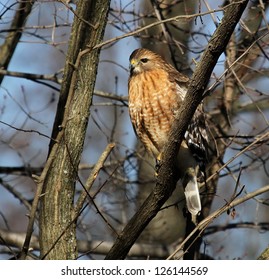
{"type": "Point", "coordinates": [157, 166]}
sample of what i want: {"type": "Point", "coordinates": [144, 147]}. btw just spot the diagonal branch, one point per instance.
{"type": "Point", "coordinates": [92, 177]}
{"type": "Point", "coordinates": [166, 180]}
{"type": "Point", "coordinates": [8, 47]}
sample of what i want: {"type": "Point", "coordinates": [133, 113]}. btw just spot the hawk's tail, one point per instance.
{"type": "Point", "coordinates": [191, 191]}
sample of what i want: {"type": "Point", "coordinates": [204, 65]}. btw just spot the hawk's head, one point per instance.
{"type": "Point", "coordinates": [144, 60]}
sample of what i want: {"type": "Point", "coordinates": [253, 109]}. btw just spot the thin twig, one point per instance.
{"type": "Point", "coordinates": [31, 76]}
{"type": "Point", "coordinates": [30, 225]}
{"type": "Point", "coordinates": [94, 173]}
{"type": "Point", "coordinates": [26, 130]}
{"type": "Point", "coordinates": [76, 14]}
{"type": "Point", "coordinates": [176, 18]}
{"type": "Point", "coordinates": [208, 220]}
{"type": "Point", "coordinates": [16, 194]}
{"type": "Point", "coordinates": [237, 155]}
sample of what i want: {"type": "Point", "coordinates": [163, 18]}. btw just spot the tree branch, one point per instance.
{"type": "Point", "coordinates": [176, 18]}
{"type": "Point", "coordinates": [264, 255]}
{"type": "Point", "coordinates": [58, 177]}
{"type": "Point", "coordinates": [99, 247]}
{"type": "Point", "coordinates": [8, 47]}
{"type": "Point", "coordinates": [208, 220]}
{"type": "Point", "coordinates": [92, 177]}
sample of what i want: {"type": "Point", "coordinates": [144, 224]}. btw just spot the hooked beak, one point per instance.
{"type": "Point", "coordinates": [133, 64]}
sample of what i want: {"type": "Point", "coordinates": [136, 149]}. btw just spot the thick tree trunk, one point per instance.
{"type": "Point", "coordinates": [57, 215]}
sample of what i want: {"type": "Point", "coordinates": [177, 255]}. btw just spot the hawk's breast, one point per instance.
{"type": "Point", "coordinates": [152, 101]}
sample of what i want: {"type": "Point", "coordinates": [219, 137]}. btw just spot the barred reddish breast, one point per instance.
{"type": "Point", "coordinates": [151, 104]}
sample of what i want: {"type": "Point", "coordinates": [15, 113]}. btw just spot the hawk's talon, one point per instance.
{"type": "Point", "coordinates": [159, 158]}
{"type": "Point", "coordinates": [157, 167]}
{"type": "Point", "coordinates": [158, 164]}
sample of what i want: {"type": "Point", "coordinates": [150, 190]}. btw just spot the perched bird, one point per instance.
{"type": "Point", "coordinates": [156, 92]}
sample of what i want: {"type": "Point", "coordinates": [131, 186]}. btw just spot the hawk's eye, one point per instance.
{"type": "Point", "coordinates": [144, 60]}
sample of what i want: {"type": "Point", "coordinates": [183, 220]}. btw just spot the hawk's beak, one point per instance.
{"type": "Point", "coordinates": [133, 63]}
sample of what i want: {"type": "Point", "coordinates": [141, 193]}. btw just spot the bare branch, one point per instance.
{"type": "Point", "coordinates": [8, 47]}
{"type": "Point", "coordinates": [99, 247]}
{"type": "Point", "coordinates": [258, 140]}
{"type": "Point", "coordinates": [92, 177]}
{"type": "Point", "coordinates": [208, 220]}
{"type": "Point", "coordinates": [31, 76]}
{"type": "Point", "coordinates": [137, 31]}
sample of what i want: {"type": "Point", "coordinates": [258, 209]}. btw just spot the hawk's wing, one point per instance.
{"type": "Point", "coordinates": [196, 134]}
{"type": "Point", "coordinates": [196, 137]}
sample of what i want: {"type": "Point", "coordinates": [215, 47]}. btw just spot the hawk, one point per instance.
{"type": "Point", "coordinates": [156, 91]}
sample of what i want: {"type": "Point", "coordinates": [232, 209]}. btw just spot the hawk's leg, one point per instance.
{"type": "Point", "coordinates": [158, 164]}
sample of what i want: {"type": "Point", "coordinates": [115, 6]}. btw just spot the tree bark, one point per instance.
{"type": "Point", "coordinates": [58, 179]}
